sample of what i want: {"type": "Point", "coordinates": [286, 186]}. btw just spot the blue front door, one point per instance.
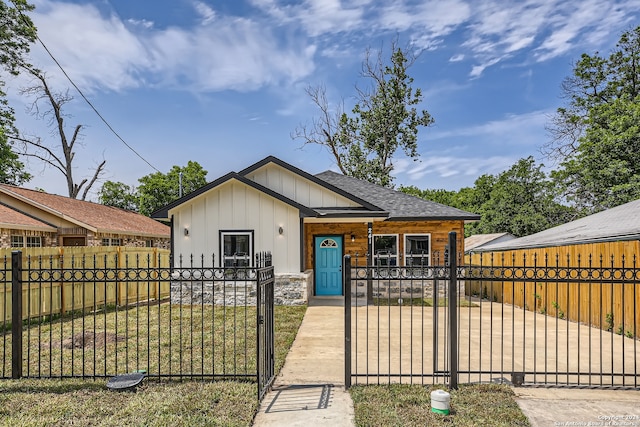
{"type": "Point", "coordinates": [328, 268]}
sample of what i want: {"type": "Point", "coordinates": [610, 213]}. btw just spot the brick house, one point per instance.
{"type": "Point", "coordinates": [30, 218]}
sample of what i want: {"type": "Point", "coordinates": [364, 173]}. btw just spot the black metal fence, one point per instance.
{"type": "Point", "coordinates": [542, 325]}
{"type": "Point", "coordinates": [91, 318]}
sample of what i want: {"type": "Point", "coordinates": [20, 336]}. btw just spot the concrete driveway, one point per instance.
{"type": "Point", "coordinates": [494, 341]}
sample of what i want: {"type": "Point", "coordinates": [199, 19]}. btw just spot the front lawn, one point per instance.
{"type": "Point", "coordinates": [410, 405]}
{"type": "Point", "coordinates": [47, 402]}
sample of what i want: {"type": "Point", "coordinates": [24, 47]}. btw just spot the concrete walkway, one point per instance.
{"type": "Point", "coordinates": [577, 407]}
{"type": "Point", "coordinates": [310, 388]}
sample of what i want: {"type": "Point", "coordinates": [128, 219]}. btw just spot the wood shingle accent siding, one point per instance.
{"type": "Point", "coordinates": [439, 231]}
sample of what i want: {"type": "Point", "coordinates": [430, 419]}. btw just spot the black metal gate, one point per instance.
{"type": "Point", "coordinates": [541, 324]}
{"type": "Point", "coordinates": [265, 339]}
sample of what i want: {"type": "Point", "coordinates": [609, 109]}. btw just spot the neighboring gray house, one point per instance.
{"type": "Point", "coordinates": [478, 241]}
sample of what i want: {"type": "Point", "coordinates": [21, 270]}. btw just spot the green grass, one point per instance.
{"type": "Point", "coordinates": [165, 339]}
{"type": "Point", "coordinates": [419, 302]}
{"type": "Point", "coordinates": [82, 403]}
{"type": "Point", "coordinates": [410, 405]}
{"type": "Point", "coordinates": [52, 402]}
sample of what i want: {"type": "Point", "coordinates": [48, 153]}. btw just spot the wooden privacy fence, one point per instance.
{"type": "Point", "coordinates": [57, 281]}
{"type": "Point", "coordinates": [600, 290]}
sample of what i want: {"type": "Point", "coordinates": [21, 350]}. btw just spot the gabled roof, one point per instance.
{"type": "Point", "coordinates": [400, 206]}
{"type": "Point", "coordinates": [12, 218]}
{"type": "Point", "coordinates": [615, 224]}
{"type": "Point", "coordinates": [375, 201]}
{"type": "Point", "coordinates": [89, 215]}
{"type": "Point", "coordinates": [336, 189]}
{"type": "Point", "coordinates": [479, 240]}
{"type": "Point", "coordinates": [163, 213]}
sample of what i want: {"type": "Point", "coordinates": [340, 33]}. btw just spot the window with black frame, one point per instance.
{"type": "Point", "coordinates": [237, 248]}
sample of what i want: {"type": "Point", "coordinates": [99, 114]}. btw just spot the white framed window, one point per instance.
{"type": "Point", "coordinates": [17, 241]}
{"type": "Point", "coordinates": [111, 242]}
{"type": "Point", "coordinates": [237, 248]}
{"type": "Point", "coordinates": [34, 241]}
{"type": "Point", "coordinates": [417, 250]}
{"type": "Point", "coordinates": [385, 250]}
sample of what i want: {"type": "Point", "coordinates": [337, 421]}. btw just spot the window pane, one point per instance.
{"type": "Point", "coordinates": [34, 242]}
{"type": "Point", "coordinates": [236, 244]}
{"type": "Point", "coordinates": [17, 241]}
{"type": "Point", "coordinates": [417, 245]}
{"type": "Point", "coordinates": [384, 245]}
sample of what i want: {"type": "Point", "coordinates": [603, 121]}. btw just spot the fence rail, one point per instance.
{"type": "Point", "coordinates": [86, 318]}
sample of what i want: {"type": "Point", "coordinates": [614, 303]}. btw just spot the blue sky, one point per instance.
{"type": "Point", "coordinates": [223, 82]}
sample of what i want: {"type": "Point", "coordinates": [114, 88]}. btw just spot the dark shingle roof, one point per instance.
{"type": "Point", "coordinates": [399, 205]}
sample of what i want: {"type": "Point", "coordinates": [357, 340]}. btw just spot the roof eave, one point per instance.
{"type": "Point", "coordinates": [435, 218]}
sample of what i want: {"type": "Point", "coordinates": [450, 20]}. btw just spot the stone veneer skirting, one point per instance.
{"type": "Point", "coordinates": [289, 289]}
{"type": "Point", "coordinates": [405, 288]}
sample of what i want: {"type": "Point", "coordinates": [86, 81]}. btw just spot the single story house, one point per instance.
{"type": "Point", "coordinates": [30, 218]}
{"type": "Point", "coordinates": [308, 222]}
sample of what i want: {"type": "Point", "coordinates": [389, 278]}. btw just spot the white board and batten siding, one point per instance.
{"type": "Point", "coordinates": [237, 206]}
{"type": "Point", "coordinates": [298, 188]}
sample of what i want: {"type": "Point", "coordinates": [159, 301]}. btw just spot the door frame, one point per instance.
{"type": "Point", "coordinates": [315, 282]}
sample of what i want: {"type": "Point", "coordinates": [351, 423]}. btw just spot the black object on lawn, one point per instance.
{"type": "Point", "coordinates": [126, 381]}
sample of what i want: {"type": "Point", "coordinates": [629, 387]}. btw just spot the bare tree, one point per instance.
{"type": "Point", "coordinates": [325, 129]}
{"type": "Point", "coordinates": [47, 105]}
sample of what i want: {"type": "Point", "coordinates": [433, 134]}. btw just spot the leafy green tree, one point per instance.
{"type": "Point", "coordinates": [385, 119]}
{"type": "Point", "coordinates": [444, 197]}
{"type": "Point", "coordinates": [596, 136]}
{"type": "Point", "coordinates": [11, 168]}
{"type": "Point", "coordinates": [118, 195]}
{"type": "Point", "coordinates": [157, 189]}
{"type": "Point", "coordinates": [522, 201]}
{"type": "Point", "coordinates": [16, 35]}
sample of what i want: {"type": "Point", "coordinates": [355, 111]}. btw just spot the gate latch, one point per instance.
{"type": "Point", "coordinates": [260, 320]}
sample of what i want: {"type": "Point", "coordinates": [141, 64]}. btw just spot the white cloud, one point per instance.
{"type": "Point", "coordinates": [280, 42]}
{"type": "Point", "coordinates": [206, 13]}
{"type": "Point", "coordinates": [141, 22]}
{"type": "Point", "coordinates": [100, 52]}
{"type": "Point", "coordinates": [435, 166]}
{"type": "Point", "coordinates": [514, 129]}
{"type": "Point", "coordinates": [94, 50]}
{"type": "Point", "coordinates": [318, 17]}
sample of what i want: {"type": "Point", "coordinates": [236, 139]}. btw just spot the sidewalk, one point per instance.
{"type": "Point", "coordinates": [310, 388]}
{"type": "Point", "coordinates": [579, 407]}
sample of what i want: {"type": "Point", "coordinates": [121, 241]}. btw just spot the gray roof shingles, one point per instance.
{"type": "Point", "coordinates": [615, 224]}
{"type": "Point", "coordinates": [400, 206]}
